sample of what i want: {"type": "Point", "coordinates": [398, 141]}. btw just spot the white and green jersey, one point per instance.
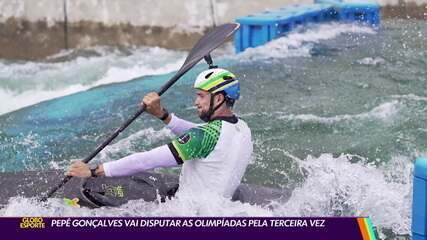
{"type": "Point", "coordinates": [214, 155]}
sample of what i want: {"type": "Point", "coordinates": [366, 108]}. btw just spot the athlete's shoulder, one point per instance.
{"type": "Point", "coordinates": [241, 122]}
{"type": "Point", "coordinates": [242, 127]}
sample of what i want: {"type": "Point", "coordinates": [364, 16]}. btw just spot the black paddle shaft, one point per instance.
{"type": "Point", "coordinates": [203, 47]}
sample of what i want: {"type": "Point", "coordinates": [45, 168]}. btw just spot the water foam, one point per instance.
{"type": "Point", "coordinates": [337, 187]}
{"type": "Point", "coordinates": [25, 84]}
{"type": "Point", "coordinates": [376, 61]}
{"type": "Point", "coordinates": [297, 44]}
{"type": "Point", "coordinates": [384, 112]}
{"type": "Point", "coordinates": [411, 96]}
{"type": "Point", "coordinates": [31, 97]}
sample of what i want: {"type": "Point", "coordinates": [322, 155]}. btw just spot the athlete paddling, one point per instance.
{"type": "Point", "coordinates": [214, 155]}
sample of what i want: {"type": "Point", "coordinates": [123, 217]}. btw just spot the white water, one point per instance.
{"type": "Point", "coordinates": [299, 44]}
{"type": "Point", "coordinates": [26, 83]}
{"type": "Point", "coordinates": [376, 61]}
{"type": "Point", "coordinates": [384, 112]}
{"type": "Point", "coordinates": [410, 97]}
{"type": "Point", "coordinates": [336, 187]}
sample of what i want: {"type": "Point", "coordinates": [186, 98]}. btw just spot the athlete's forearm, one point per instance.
{"type": "Point", "coordinates": [178, 126]}
{"type": "Point", "coordinates": [157, 157]}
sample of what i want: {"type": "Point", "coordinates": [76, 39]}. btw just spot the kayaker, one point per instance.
{"type": "Point", "coordinates": [213, 155]}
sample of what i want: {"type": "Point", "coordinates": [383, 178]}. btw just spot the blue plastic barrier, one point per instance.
{"type": "Point", "coordinates": [258, 29]}
{"type": "Point", "coordinates": [419, 200]}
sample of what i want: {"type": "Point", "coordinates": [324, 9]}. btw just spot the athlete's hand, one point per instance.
{"type": "Point", "coordinates": [79, 169]}
{"type": "Point", "coordinates": [152, 103]}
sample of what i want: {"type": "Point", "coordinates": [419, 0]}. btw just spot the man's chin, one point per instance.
{"type": "Point", "coordinates": [202, 116]}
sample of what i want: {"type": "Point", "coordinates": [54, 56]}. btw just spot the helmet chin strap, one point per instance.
{"type": "Point", "coordinates": [206, 117]}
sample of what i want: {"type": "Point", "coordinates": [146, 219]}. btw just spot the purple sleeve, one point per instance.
{"type": "Point", "coordinates": [157, 157]}
{"type": "Point", "coordinates": [178, 126]}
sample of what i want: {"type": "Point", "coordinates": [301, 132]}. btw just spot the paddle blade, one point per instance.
{"type": "Point", "coordinates": [209, 42]}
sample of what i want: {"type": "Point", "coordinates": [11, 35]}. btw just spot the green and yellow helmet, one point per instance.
{"type": "Point", "coordinates": [216, 80]}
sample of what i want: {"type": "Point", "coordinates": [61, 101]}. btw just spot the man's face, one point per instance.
{"type": "Point", "coordinates": [202, 102]}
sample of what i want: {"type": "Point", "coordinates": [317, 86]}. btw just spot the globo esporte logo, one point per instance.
{"type": "Point", "coordinates": [32, 222]}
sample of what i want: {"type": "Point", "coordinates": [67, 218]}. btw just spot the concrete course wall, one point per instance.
{"type": "Point", "coordinates": [34, 29]}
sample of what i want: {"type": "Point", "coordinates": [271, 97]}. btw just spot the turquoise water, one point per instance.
{"type": "Point", "coordinates": [338, 113]}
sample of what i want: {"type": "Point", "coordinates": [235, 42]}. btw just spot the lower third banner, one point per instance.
{"type": "Point", "coordinates": [187, 228]}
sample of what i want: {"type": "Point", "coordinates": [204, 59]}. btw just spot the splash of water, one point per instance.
{"type": "Point", "coordinates": [383, 112]}
{"type": "Point", "coordinates": [297, 44]}
{"type": "Point", "coordinates": [338, 187]}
